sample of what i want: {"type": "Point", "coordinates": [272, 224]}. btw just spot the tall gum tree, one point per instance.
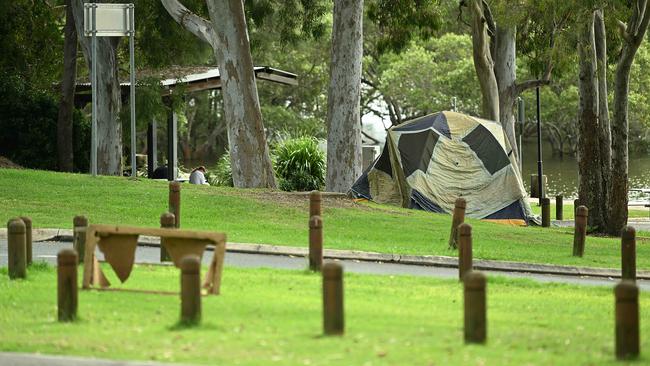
{"type": "Point", "coordinates": [227, 34]}
{"type": "Point", "coordinates": [344, 97]}
{"type": "Point", "coordinates": [66, 102]}
{"type": "Point", "coordinates": [109, 102]}
{"type": "Point", "coordinates": [495, 60]}
{"type": "Point", "coordinates": [604, 167]}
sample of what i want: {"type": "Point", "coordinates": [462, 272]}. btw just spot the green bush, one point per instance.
{"type": "Point", "coordinates": [28, 127]}
{"type": "Point", "coordinates": [300, 164]}
{"type": "Point", "coordinates": [222, 173]}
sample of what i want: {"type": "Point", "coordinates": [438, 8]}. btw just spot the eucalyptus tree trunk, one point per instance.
{"type": "Point", "coordinates": [344, 163]}
{"type": "Point", "coordinates": [483, 62]}
{"type": "Point", "coordinates": [590, 190]}
{"type": "Point", "coordinates": [505, 72]}
{"type": "Point", "coordinates": [632, 35]}
{"type": "Point", "coordinates": [605, 133]}
{"type": "Point", "coordinates": [227, 34]}
{"type": "Point", "coordinates": [64, 135]}
{"type": "Point", "coordinates": [109, 102]}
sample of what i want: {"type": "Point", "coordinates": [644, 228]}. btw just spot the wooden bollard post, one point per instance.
{"type": "Point", "coordinates": [17, 251]}
{"type": "Point", "coordinates": [315, 199]}
{"type": "Point", "coordinates": [457, 219]}
{"type": "Point", "coordinates": [190, 290]}
{"type": "Point", "coordinates": [627, 320]}
{"type": "Point", "coordinates": [167, 220]}
{"type": "Point", "coordinates": [28, 239]}
{"type": "Point", "coordinates": [628, 253]}
{"type": "Point", "coordinates": [546, 212]}
{"type": "Point", "coordinates": [79, 226]}
{"type": "Point", "coordinates": [580, 233]}
{"type": "Point", "coordinates": [475, 308]}
{"type": "Point", "coordinates": [315, 243]}
{"type": "Point", "coordinates": [333, 317]}
{"type": "Point", "coordinates": [559, 202]}
{"type": "Point", "coordinates": [175, 202]}
{"type": "Point", "coordinates": [67, 287]}
{"type": "Point", "coordinates": [465, 250]}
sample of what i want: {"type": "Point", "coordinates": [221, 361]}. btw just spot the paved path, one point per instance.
{"type": "Point", "coordinates": [31, 359]}
{"type": "Point", "coordinates": [46, 251]}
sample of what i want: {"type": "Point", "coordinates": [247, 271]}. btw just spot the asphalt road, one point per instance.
{"type": "Point", "coordinates": [46, 251]}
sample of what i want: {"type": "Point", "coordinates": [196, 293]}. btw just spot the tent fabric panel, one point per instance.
{"type": "Point", "coordinates": [460, 124]}
{"type": "Point", "coordinates": [418, 124]}
{"type": "Point", "coordinates": [361, 188]}
{"type": "Point", "coordinates": [512, 211]}
{"type": "Point", "coordinates": [421, 202]}
{"type": "Point", "coordinates": [487, 149]}
{"type": "Point", "coordinates": [440, 124]}
{"type": "Point", "coordinates": [383, 188]}
{"type": "Point", "coordinates": [496, 131]}
{"type": "Point", "coordinates": [383, 162]}
{"type": "Point", "coordinates": [415, 150]}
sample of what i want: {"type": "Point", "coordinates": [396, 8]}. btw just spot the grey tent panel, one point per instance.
{"type": "Point", "coordinates": [512, 211]}
{"type": "Point", "coordinates": [440, 124]}
{"type": "Point", "coordinates": [416, 149]}
{"type": "Point", "coordinates": [383, 162]}
{"type": "Point", "coordinates": [420, 202]}
{"type": "Point", "coordinates": [418, 124]}
{"type": "Point", "coordinates": [487, 148]}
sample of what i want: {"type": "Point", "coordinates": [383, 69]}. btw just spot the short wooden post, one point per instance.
{"type": "Point", "coordinates": [628, 253]}
{"type": "Point", "coordinates": [17, 251]}
{"type": "Point", "coordinates": [191, 290]}
{"type": "Point", "coordinates": [546, 212]}
{"type": "Point", "coordinates": [67, 287]}
{"type": "Point", "coordinates": [475, 308]}
{"type": "Point", "coordinates": [167, 220]}
{"type": "Point", "coordinates": [79, 226]}
{"type": "Point", "coordinates": [457, 219]}
{"type": "Point", "coordinates": [315, 199]}
{"type": "Point", "coordinates": [465, 250]}
{"type": "Point", "coordinates": [315, 243]}
{"type": "Point", "coordinates": [28, 239]}
{"type": "Point", "coordinates": [580, 233]}
{"type": "Point", "coordinates": [627, 320]}
{"type": "Point", "coordinates": [333, 317]}
{"type": "Point", "coordinates": [175, 202]}
{"type": "Point", "coordinates": [559, 202]}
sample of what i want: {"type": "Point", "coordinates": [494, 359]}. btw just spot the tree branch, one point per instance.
{"type": "Point", "coordinates": [200, 27]}
{"type": "Point", "coordinates": [530, 84]}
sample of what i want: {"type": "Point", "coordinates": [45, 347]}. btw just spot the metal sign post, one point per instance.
{"type": "Point", "coordinates": [522, 120]}
{"type": "Point", "coordinates": [110, 20]}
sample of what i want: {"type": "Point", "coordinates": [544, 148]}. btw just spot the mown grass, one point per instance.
{"type": "Point", "coordinates": [268, 316]}
{"type": "Point", "coordinates": [254, 216]}
{"type": "Point", "coordinates": [568, 210]}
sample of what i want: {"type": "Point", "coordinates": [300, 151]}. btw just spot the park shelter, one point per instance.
{"type": "Point", "coordinates": [429, 162]}
{"type": "Point", "coordinates": [184, 80]}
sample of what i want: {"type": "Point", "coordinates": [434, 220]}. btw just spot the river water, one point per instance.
{"type": "Point", "coordinates": [562, 172]}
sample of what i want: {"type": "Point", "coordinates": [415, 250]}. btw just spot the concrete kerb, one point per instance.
{"type": "Point", "coordinates": [419, 260]}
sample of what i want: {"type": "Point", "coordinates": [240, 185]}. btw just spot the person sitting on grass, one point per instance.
{"type": "Point", "coordinates": [198, 176]}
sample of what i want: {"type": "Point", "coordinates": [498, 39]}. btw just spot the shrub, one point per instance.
{"type": "Point", "coordinates": [28, 127]}
{"type": "Point", "coordinates": [222, 173]}
{"type": "Point", "coordinates": [300, 164]}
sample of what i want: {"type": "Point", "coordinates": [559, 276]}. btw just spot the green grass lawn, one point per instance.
{"type": "Point", "coordinates": [274, 317]}
{"type": "Point", "coordinates": [568, 213]}
{"type": "Point", "coordinates": [258, 216]}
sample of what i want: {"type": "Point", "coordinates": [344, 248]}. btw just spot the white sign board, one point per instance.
{"type": "Point", "coordinates": [111, 20]}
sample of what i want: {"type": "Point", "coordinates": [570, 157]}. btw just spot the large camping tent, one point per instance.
{"type": "Point", "coordinates": [428, 162]}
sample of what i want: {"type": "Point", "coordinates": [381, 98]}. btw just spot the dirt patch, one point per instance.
{"type": "Point", "coordinates": [8, 164]}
